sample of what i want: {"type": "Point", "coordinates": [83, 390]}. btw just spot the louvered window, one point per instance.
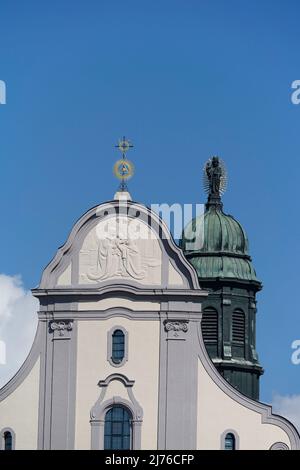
{"type": "Point", "coordinates": [238, 327]}
{"type": "Point", "coordinates": [238, 333]}
{"type": "Point", "coordinates": [210, 330]}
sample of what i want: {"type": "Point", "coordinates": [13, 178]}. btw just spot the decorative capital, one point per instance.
{"type": "Point", "coordinates": [176, 326]}
{"type": "Point", "coordinates": [61, 327]}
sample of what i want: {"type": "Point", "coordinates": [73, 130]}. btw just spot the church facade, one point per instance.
{"type": "Point", "coordinates": [119, 360]}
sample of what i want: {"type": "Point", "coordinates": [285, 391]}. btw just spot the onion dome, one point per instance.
{"type": "Point", "coordinates": [215, 243]}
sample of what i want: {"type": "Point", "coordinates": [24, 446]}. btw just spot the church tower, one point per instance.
{"type": "Point", "coordinates": [223, 264]}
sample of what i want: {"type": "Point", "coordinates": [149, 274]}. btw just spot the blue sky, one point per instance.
{"type": "Point", "coordinates": [184, 80]}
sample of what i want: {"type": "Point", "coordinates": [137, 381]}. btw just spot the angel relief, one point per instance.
{"type": "Point", "coordinates": [119, 254]}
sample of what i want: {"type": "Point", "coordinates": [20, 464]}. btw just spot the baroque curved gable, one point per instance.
{"type": "Point", "coordinates": [115, 243]}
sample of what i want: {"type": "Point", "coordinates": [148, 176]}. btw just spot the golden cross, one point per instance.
{"type": "Point", "coordinates": [124, 145]}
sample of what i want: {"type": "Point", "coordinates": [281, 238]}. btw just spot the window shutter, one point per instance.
{"type": "Point", "coordinates": [210, 326]}
{"type": "Point", "coordinates": [238, 327]}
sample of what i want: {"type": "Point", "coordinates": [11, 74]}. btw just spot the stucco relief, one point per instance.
{"type": "Point", "coordinates": [176, 328]}
{"type": "Point", "coordinates": [61, 327]}
{"type": "Point", "coordinates": [120, 247]}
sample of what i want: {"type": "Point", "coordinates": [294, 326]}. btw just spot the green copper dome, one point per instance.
{"type": "Point", "coordinates": [215, 243]}
{"type": "Point", "coordinates": [222, 233]}
{"type": "Point", "coordinates": [217, 246]}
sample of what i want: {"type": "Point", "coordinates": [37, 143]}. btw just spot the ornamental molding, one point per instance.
{"type": "Point", "coordinates": [120, 377]}
{"type": "Point", "coordinates": [61, 326]}
{"type": "Point", "coordinates": [176, 326]}
{"type": "Point", "coordinates": [279, 446]}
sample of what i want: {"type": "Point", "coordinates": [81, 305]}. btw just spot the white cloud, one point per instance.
{"type": "Point", "coordinates": [18, 322]}
{"type": "Point", "coordinates": [289, 407]}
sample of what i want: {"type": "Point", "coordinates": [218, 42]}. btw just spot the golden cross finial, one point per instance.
{"type": "Point", "coordinates": [124, 145]}
{"type": "Point", "coordinates": [123, 169]}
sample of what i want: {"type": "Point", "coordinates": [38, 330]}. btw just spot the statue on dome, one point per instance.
{"type": "Point", "coordinates": [214, 174]}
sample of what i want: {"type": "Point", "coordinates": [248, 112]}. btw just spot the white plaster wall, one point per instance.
{"type": "Point", "coordinates": [175, 279]}
{"type": "Point", "coordinates": [119, 302]}
{"type": "Point", "coordinates": [142, 366]}
{"type": "Point", "coordinates": [65, 278]}
{"type": "Point", "coordinates": [19, 410]}
{"type": "Point", "coordinates": [217, 412]}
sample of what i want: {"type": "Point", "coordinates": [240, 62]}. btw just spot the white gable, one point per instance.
{"type": "Point", "coordinates": [110, 245]}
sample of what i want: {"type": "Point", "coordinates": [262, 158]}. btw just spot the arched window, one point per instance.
{"type": "Point", "coordinates": [209, 326]}
{"type": "Point", "coordinates": [7, 440]}
{"type": "Point", "coordinates": [229, 441]}
{"type": "Point", "coordinates": [117, 429]}
{"type": "Point", "coordinates": [118, 346]}
{"type": "Point", "coordinates": [238, 332]}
